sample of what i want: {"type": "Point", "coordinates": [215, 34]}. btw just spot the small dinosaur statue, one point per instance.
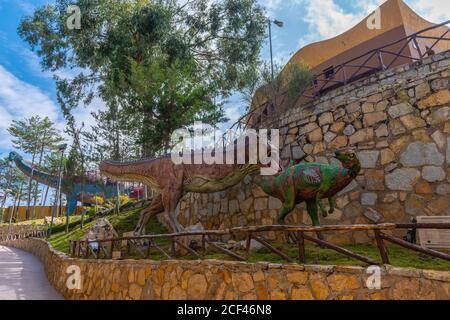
{"type": "Point", "coordinates": [70, 187]}
{"type": "Point", "coordinates": [310, 183]}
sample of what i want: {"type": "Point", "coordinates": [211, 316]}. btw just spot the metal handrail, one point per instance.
{"type": "Point", "coordinates": [243, 121]}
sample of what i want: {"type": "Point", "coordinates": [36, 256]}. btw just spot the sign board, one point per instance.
{"type": "Point", "coordinates": [434, 238]}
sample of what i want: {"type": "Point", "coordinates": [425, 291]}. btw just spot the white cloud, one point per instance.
{"type": "Point", "coordinates": [19, 100]}
{"type": "Point", "coordinates": [433, 10]}
{"type": "Point", "coordinates": [327, 19]}
{"type": "Point", "coordinates": [82, 114]}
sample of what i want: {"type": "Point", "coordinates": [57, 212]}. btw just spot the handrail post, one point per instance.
{"type": "Point", "coordinates": [172, 247]}
{"type": "Point", "coordinates": [380, 60]}
{"type": "Point", "coordinates": [301, 247]}
{"type": "Point", "coordinates": [204, 243]}
{"type": "Point", "coordinates": [345, 74]}
{"type": "Point", "coordinates": [111, 249]}
{"type": "Point", "coordinates": [248, 244]}
{"type": "Point", "coordinates": [149, 248]}
{"type": "Point", "coordinates": [381, 247]}
{"type": "Point", "coordinates": [416, 43]}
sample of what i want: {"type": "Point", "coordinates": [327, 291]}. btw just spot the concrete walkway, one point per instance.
{"type": "Point", "coordinates": [22, 277]}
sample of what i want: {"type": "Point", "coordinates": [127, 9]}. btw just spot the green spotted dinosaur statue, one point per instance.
{"type": "Point", "coordinates": [310, 183]}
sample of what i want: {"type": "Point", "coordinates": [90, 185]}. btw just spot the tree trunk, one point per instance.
{"type": "Point", "coordinates": [44, 200]}
{"type": "Point", "coordinates": [37, 184]}
{"type": "Point", "coordinates": [45, 197]}
{"type": "Point", "coordinates": [14, 209]}
{"type": "Point", "coordinates": [27, 216]}
{"type": "Point", "coordinates": [20, 198]}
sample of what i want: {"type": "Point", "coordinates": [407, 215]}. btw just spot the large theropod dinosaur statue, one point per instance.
{"type": "Point", "coordinates": [171, 181]}
{"type": "Point", "coordinates": [310, 183]}
{"type": "Point", "coordinates": [72, 188]}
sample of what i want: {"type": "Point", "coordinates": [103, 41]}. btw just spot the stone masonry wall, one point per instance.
{"type": "Point", "coordinates": [181, 280]}
{"type": "Point", "coordinates": [399, 123]}
{"type": "Point", "coordinates": [19, 229]}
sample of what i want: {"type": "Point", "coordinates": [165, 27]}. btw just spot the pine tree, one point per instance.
{"type": "Point", "coordinates": [34, 136]}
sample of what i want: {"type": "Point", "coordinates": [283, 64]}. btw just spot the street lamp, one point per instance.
{"type": "Point", "coordinates": [61, 148]}
{"type": "Point", "coordinates": [279, 24]}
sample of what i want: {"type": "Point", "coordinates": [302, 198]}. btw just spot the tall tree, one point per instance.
{"type": "Point", "coordinates": [164, 63]}
{"type": "Point", "coordinates": [5, 182]}
{"type": "Point", "coordinates": [34, 136]}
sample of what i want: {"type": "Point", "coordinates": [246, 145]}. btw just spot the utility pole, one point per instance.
{"type": "Point", "coordinates": [280, 24]}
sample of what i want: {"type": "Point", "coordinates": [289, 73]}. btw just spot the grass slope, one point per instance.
{"type": "Point", "coordinates": [127, 221]}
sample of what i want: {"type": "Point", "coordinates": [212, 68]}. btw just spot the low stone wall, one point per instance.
{"type": "Point", "coordinates": [399, 123]}
{"type": "Point", "coordinates": [223, 280]}
{"type": "Point", "coordinates": [19, 229]}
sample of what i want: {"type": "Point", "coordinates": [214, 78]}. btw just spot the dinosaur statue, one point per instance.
{"type": "Point", "coordinates": [310, 183]}
{"type": "Point", "coordinates": [70, 187]}
{"type": "Point", "coordinates": [171, 181]}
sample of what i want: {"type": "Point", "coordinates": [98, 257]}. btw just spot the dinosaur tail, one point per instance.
{"type": "Point", "coordinates": [264, 182]}
{"type": "Point", "coordinates": [209, 186]}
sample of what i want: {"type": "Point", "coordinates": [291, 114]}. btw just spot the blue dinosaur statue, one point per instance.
{"type": "Point", "coordinates": [70, 187]}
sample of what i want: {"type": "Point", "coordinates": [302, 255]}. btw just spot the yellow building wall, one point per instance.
{"type": "Point", "coordinates": [41, 212]}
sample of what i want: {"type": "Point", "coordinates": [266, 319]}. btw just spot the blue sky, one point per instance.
{"type": "Point", "coordinates": [25, 90]}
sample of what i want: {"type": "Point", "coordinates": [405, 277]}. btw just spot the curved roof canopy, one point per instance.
{"type": "Point", "coordinates": [394, 14]}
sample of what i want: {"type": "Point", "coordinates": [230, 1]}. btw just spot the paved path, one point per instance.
{"type": "Point", "coordinates": [22, 277]}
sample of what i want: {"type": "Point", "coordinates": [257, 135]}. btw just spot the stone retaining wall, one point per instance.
{"type": "Point", "coordinates": [398, 121]}
{"type": "Point", "coordinates": [180, 280]}
{"type": "Point", "coordinates": [19, 229]}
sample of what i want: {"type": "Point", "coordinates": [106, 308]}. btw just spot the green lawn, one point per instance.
{"type": "Point", "coordinates": [126, 222]}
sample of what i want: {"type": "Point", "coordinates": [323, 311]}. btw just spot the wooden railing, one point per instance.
{"type": "Point", "coordinates": [104, 249]}
{"type": "Point", "coordinates": [371, 62]}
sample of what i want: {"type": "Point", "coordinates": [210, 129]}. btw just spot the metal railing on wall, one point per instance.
{"type": "Point", "coordinates": [369, 63]}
